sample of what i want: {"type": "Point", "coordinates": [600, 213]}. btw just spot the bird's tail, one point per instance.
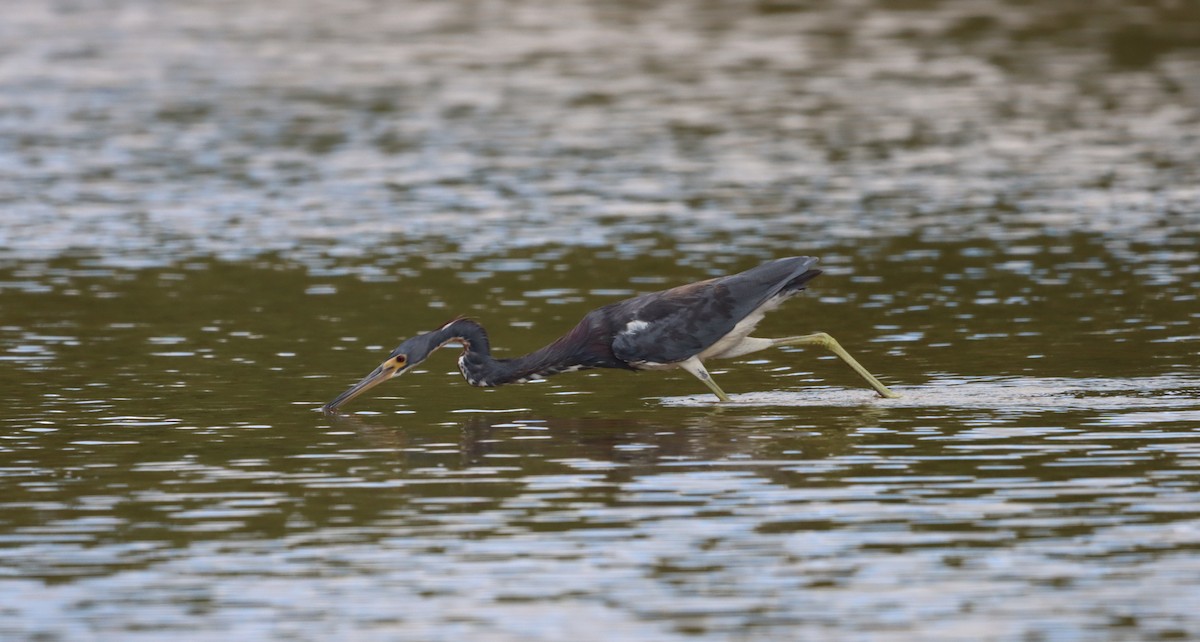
{"type": "Point", "coordinates": [800, 281]}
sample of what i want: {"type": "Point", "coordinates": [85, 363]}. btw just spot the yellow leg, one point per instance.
{"type": "Point", "coordinates": [825, 341]}
{"type": "Point", "coordinates": [694, 366]}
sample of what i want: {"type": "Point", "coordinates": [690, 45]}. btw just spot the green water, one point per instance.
{"type": "Point", "coordinates": [215, 218]}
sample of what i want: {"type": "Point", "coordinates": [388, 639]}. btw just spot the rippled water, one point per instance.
{"type": "Point", "coordinates": [214, 217]}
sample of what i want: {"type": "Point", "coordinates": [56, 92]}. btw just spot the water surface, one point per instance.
{"type": "Point", "coordinates": [215, 217]}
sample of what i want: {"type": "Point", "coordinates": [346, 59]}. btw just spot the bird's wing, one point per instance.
{"type": "Point", "coordinates": [673, 325]}
{"type": "Point", "coordinates": [667, 327]}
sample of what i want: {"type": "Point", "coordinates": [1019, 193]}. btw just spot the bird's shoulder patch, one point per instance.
{"type": "Point", "coordinates": [664, 336]}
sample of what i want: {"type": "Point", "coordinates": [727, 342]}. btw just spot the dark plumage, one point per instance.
{"type": "Point", "coordinates": [675, 328]}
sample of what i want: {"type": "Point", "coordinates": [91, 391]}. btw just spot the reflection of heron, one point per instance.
{"type": "Point", "coordinates": [676, 328]}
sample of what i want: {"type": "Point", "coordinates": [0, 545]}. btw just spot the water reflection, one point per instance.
{"type": "Point", "coordinates": [716, 523]}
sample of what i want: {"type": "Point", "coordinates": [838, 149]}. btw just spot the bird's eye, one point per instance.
{"type": "Point", "coordinates": [400, 359]}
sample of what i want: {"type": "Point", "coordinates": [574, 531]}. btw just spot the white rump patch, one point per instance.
{"type": "Point", "coordinates": [739, 342]}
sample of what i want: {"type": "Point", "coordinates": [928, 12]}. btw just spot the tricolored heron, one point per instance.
{"type": "Point", "coordinates": [676, 328]}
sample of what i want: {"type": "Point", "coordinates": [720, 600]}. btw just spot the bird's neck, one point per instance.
{"type": "Point", "coordinates": [481, 369]}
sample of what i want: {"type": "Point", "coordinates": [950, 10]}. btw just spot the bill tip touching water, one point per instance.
{"type": "Point", "coordinates": [681, 327]}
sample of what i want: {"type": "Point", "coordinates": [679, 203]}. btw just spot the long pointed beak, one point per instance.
{"type": "Point", "coordinates": [385, 371]}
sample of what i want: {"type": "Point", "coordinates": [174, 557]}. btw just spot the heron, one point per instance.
{"type": "Point", "coordinates": [681, 327]}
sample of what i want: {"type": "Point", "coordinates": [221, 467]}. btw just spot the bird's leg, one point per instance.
{"type": "Point", "coordinates": [694, 366]}
{"type": "Point", "coordinates": [825, 341]}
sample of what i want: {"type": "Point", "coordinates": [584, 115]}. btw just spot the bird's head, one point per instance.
{"type": "Point", "coordinates": [405, 357]}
